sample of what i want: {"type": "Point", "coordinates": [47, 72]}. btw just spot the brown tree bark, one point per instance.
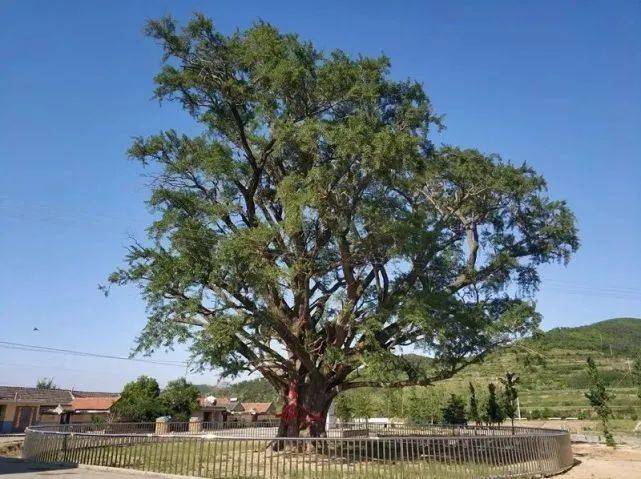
{"type": "Point", "coordinates": [306, 406]}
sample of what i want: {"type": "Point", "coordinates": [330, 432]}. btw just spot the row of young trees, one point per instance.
{"type": "Point", "coordinates": [433, 405]}
{"type": "Point", "coordinates": [142, 400]}
{"type": "Point", "coordinates": [426, 406]}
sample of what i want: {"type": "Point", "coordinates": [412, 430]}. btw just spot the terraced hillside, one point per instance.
{"type": "Point", "coordinates": [552, 368]}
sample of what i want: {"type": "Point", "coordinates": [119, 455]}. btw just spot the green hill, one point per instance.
{"type": "Point", "coordinates": [613, 337]}
{"type": "Point", "coordinates": [552, 368]}
{"type": "Point", "coordinates": [553, 371]}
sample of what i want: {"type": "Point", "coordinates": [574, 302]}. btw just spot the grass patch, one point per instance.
{"type": "Point", "coordinates": [254, 459]}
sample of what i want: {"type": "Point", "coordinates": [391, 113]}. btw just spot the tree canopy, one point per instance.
{"type": "Point", "coordinates": [454, 411]}
{"type": "Point", "coordinates": [142, 400]}
{"type": "Point", "coordinates": [493, 413]}
{"type": "Point", "coordinates": [45, 383]}
{"type": "Point", "coordinates": [312, 229]}
{"type": "Point", "coordinates": [474, 415]}
{"type": "Point", "coordinates": [180, 399]}
{"type": "Point", "coordinates": [510, 395]}
{"type": "Point", "coordinates": [139, 401]}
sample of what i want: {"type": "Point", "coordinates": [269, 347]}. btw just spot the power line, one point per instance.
{"type": "Point", "coordinates": [46, 349]}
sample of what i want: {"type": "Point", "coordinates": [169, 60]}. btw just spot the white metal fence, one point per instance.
{"type": "Point", "coordinates": [243, 450]}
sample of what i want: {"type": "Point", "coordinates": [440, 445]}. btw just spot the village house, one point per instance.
{"type": "Point", "coordinates": [259, 411]}
{"type": "Point", "coordinates": [223, 409]}
{"type": "Point", "coordinates": [21, 407]}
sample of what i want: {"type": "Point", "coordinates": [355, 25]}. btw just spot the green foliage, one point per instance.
{"type": "Point", "coordinates": [423, 405]}
{"type": "Point", "coordinates": [618, 337]}
{"type": "Point", "coordinates": [510, 395]}
{"type": "Point", "coordinates": [281, 227]}
{"type": "Point", "coordinates": [45, 383]}
{"type": "Point", "coordinates": [142, 400]}
{"type": "Point", "coordinates": [359, 404]}
{"type": "Point", "coordinates": [474, 413]}
{"type": "Point", "coordinates": [179, 399]}
{"type": "Point", "coordinates": [636, 374]}
{"type": "Point", "coordinates": [363, 403]}
{"type": "Point", "coordinates": [454, 411]}
{"type": "Point", "coordinates": [599, 398]}
{"type": "Point", "coordinates": [139, 401]}
{"type": "Point", "coordinates": [99, 422]}
{"type": "Point", "coordinates": [343, 408]}
{"type": "Point", "coordinates": [493, 413]}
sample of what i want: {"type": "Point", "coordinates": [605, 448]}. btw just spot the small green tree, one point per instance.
{"type": "Point", "coordinates": [493, 412]}
{"type": "Point", "coordinates": [454, 411]}
{"type": "Point", "coordinates": [636, 374]}
{"type": "Point", "coordinates": [393, 401]}
{"type": "Point", "coordinates": [510, 396]}
{"type": "Point", "coordinates": [139, 401]}
{"type": "Point", "coordinates": [99, 422]}
{"type": "Point", "coordinates": [343, 408]}
{"type": "Point", "coordinates": [362, 403]}
{"type": "Point", "coordinates": [425, 405]}
{"type": "Point", "coordinates": [474, 415]}
{"type": "Point", "coordinates": [45, 383]}
{"type": "Point", "coordinates": [599, 398]}
{"type": "Point", "coordinates": [179, 399]}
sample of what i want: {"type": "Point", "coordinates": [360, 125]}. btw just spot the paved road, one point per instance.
{"type": "Point", "coordinates": [20, 468]}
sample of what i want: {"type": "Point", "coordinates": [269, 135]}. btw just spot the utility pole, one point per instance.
{"type": "Point", "coordinates": [518, 408]}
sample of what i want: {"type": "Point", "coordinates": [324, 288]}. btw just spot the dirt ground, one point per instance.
{"type": "Point", "coordinates": [10, 447]}
{"type": "Point", "coordinates": [601, 462]}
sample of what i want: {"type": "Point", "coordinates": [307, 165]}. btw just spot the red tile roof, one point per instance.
{"type": "Point", "coordinates": [94, 403]}
{"type": "Point", "coordinates": [258, 407]}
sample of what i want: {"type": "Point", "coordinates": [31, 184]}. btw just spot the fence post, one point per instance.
{"type": "Point", "coordinates": [64, 447]}
{"type": "Point", "coordinates": [162, 425]}
{"type": "Point", "coordinates": [201, 445]}
{"type": "Point", "coordinates": [195, 425]}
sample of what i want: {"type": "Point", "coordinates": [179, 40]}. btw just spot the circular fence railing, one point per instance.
{"type": "Point", "coordinates": [246, 450]}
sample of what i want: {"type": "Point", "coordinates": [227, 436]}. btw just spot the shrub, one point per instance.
{"type": "Point", "coordinates": [454, 411]}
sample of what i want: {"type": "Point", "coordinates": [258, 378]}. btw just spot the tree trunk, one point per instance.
{"type": "Point", "coordinates": [315, 403]}
{"type": "Point", "coordinates": [306, 407]}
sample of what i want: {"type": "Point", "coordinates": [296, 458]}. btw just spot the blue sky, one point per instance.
{"type": "Point", "coordinates": [556, 84]}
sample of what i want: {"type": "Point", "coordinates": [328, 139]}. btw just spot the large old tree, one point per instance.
{"type": "Point", "coordinates": [312, 231]}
